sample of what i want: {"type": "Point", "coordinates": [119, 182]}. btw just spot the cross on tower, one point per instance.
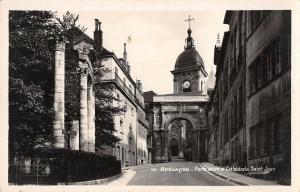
{"type": "Point", "coordinates": [189, 20]}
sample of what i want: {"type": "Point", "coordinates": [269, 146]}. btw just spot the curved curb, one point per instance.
{"type": "Point", "coordinates": [94, 182]}
{"type": "Point", "coordinates": [227, 178]}
{"type": "Point", "coordinates": [125, 179]}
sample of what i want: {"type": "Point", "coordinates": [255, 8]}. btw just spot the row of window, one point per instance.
{"type": "Point", "coordinates": [234, 59]}
{"type": "Point", "coordinates": [234, 117]}
{"type": "Point", "coordinates": [268, 65]}
{"type": "Point", "coordinates": [128, 156]}
{"type": "Point", "coordinates": [124, 80]}
{"type": "Point", "coordinates": [141, 152]}
{"type": "Point", "coordinates": [122, 125]}
{"type": "Point", "coordinates": [268, 137]}
{"type": "Point", "coordinates": [125, 155]}
{"type": "Point", "coordinates": [142, 131]}
{"type": "Point", "coordinates": [255, 18]}
{"type": "Point", "coordinates": [135, 95]}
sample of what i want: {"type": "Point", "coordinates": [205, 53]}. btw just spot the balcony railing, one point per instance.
{"type": "Point", "coordinates": [123, 86]}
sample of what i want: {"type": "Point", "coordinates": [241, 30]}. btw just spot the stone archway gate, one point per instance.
{"type": "Point", "coordinates": [167, 108]}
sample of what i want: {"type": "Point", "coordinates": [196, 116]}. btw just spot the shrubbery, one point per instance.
{"type": "Point", "coordinates": [73, 166]}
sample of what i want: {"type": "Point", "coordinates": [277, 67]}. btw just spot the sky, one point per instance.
{"type": "Point", "coordinates": [157, 38]}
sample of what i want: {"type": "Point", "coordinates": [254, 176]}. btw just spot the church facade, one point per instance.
{"type": "Point", "coordinates": [179, 119]}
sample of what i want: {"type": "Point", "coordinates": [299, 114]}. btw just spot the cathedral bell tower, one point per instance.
{"type": "Point", "coordinates": [189, 73]}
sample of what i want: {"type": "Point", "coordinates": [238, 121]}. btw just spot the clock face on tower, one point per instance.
{"type": "Point", "coordinates": [186, 84]}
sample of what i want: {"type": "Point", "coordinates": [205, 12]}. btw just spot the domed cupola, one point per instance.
{"type": "Point", "coordinates": [189, 73]}
{"type": "Point", "coordinates": [190, 57]}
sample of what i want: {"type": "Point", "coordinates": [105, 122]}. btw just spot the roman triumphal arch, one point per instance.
{"type": "Point", "coordinates": [179, 127]}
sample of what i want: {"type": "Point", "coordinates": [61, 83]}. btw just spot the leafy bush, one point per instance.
{"type": "Point", "coordinates": [74, 166]}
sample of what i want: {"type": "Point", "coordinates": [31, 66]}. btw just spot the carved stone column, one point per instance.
{"type": "Point", "coordinates": [59, 95]}
{"type": "Point", "coordinates": [83, 49]}
{"type": "Point", "coordinates": [91, 118]}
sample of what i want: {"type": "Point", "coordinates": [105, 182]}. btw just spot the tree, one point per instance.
{"type": "Point", "coordinates": [69, 21]}
{"type": "Point", "coordinates": [31, 81]}
{"type": "Point", "coordinates": [105, 112]}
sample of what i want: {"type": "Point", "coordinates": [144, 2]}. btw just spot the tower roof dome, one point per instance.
{"type": "Point", "coordinates": [190, 57]}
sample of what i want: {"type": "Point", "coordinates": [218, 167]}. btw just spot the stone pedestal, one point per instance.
{"type": "Point", "coordinates": [91, 119]}
{"type": "Point", "coordinates": [59, 95]}
{"type": "Point", "coordinates": [74, 139]}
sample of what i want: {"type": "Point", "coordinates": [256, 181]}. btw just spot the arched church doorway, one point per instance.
{"type": "Point", "coordinates": [174, 147]}
{"type": "Point", "coordinates": [181, 139]}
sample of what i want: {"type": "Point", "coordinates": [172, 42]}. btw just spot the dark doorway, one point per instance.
{"type": "Point", "coordinates": [189, 153]}
{"type": "Point", "coordinates": [174, 147]}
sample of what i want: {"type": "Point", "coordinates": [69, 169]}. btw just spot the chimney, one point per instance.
{"type": "Point", "coordinates": [125, 54]}
{"type": "Point", "coordinates": [98, 39]}
{"type": "Point", "coordinates": [126, 64]}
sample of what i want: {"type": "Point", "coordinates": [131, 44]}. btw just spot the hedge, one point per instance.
{"type": "Point", "coordinates": [73, 166]}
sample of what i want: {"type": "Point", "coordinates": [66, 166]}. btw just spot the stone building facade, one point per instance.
{"type": "Point", "coordinates": [129, 94]}
{"type": "Point", "coordinates": [249, 111]}
{"type": "Point", "coordinates": [148, 98]}
{"type": "Point", "coordinates": [179, 121]}
{"type": "Point", "coordinates": [227, 109]}
{"type": "Point", "coordinates": [143, 156]}
{"type": "Point", "coordinates": [143, 127]}
{"type": "Point", "coordinates": [268, 88]}
{"type": "Point", "coordinates": [212, 121]}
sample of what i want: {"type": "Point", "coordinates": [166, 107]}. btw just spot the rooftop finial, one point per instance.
{"type": "Point", "coordinates": [189, 40]}
{"type": "Point", "coordinates": [189, 20]}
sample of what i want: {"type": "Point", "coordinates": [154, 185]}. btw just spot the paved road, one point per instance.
{"type": "Point", "coordinates": [174, 173]}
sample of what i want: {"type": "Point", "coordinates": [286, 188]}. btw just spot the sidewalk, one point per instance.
{"type": "Point", "coordinates": [137, 166]}
{"type": "Point", "coordinates": [124, 179]}
{"type": "Point", "coordinates": [236, 177]}
{"type": "Point", "coordinates": [96, 181]}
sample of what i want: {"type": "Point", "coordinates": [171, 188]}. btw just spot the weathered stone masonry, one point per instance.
{"type": "Point", "coordinates": [84, 138]}
{"type": "Point", "coordinates": [59, 95]}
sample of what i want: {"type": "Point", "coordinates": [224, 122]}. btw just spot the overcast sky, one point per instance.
{"type": "Point", "coordinates": [157, 38]}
